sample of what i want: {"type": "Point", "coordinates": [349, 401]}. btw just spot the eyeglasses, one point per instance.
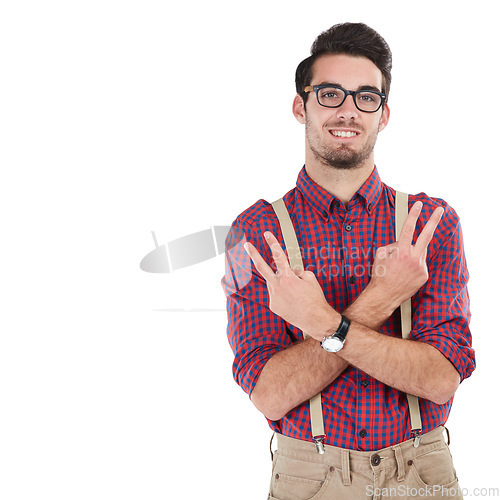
{"type": "Point", "coordinates": [331, 96]}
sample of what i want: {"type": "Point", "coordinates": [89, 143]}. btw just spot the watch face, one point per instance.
{"type": "Point", "coordinates": [332, 344]}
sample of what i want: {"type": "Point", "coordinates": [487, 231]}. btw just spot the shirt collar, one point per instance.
{"type": "Point", "coordinates": [371, 189]}
{"type": "Point", "coordinates": [322, 200]}
{"type": "Point", "coordinates": [317, 196]}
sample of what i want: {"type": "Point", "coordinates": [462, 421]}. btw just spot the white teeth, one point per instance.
{"type": "Point", "coordinates": [343, 133]}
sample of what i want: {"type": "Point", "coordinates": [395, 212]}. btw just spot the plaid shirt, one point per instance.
{"type": "Point", "coordinates": [339, 245]}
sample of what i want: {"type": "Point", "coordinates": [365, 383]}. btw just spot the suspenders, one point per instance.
{"type": "Point", "coordinates": [295, 259]}
{"type": "Point", "coordinates": [416, 423]}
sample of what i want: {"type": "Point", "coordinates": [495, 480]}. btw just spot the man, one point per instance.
{"type": "Point", "coordinates": [282, 322]}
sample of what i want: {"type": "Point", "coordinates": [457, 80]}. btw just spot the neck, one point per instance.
{"type": "Point", "coordinates": [343, 183]}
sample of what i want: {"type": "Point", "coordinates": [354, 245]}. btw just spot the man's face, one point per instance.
{"type": "Point", "coordinates": [325, 126]}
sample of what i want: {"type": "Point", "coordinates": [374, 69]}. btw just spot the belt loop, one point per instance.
{"type": "Point", "coordinates": [346, 470]}
{"type": "Point", "coordinates": [447, 434]}
{"type": "Point", "coordinates": [400, 462]}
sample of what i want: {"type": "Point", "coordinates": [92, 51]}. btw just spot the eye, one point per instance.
{"type": "Point", "coordinates": [329, 94]}
{"type": "Point", "coordinates": [368, 97]}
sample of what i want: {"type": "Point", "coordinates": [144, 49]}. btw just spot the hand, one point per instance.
{"type": "Point", "coordinates": [400, 269]}
{"type": "Point", "coordinates": [296, 296]}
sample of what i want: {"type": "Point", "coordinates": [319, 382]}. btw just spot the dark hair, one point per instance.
{"type": "Point", "coordinates": [354, 39]}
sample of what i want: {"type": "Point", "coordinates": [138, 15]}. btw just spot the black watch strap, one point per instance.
{"type": "Point", "coordinates": [343, 328]}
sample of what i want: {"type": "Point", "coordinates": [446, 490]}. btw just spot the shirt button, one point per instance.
{"type": "Point", "coordinates": [325, 213]}
{"type": "Point", "coordinates": [364, 382]}
{"type": "Point", "coordinates": [363, 433]}
{"type": "Point", "coordinates": [351, 280]}
{"type": "Point", "coordinates": [348, 227]}
{"type": "Point", "coordinates": [337, 203]}
{"type": "Point", "coordinates": [376, 460]}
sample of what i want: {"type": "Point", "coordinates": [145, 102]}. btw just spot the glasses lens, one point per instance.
{"type": "Point", "coordinates": [368, 101]}
{"type": "Point", "coordinates": [330, 96]}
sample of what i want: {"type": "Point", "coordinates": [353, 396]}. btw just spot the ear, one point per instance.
{"type": "Point", "coordinates": [299, 109]}
{"type": "Point", "coordinates": [384, 119]}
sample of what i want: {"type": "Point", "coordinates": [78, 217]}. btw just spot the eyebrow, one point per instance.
{"type": "Point", "coordinates": [361, 87]}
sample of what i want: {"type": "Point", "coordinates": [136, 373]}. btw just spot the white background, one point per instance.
{"type": "Point", "coordinates": [122, 118]}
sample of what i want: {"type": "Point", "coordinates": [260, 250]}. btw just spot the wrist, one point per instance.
{"type": "Point", "coordinates": [377, 301]}
{"type": "Point", "coordinates": [326, 324]}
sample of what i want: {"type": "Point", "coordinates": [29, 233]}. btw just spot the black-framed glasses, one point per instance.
{"type": "Point", "coordinates": [332, 96]}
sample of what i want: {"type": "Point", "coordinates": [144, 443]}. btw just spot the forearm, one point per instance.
{"type": "Point", "coordinates": [409, 366]}
{"type": "Point", "coordinates": [299, 372]}
{"type": "Point", "coordinates": [293, 376]}
{"type": "Point", "coordinates": [369, 309]}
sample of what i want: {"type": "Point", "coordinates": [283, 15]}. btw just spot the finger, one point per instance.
{"type": "Point", "coordinates": [423, 257]}
{"type": "Point", "coordinates": [279, 255]}
{"type": "Point", "coordinates": [408, 228]}
{"type": "Point", "coordinates": [427, 233]}
{"type": "Point", "coordinates": [260, 264]}
{"type": "Point", "coordinates": [308, 276]}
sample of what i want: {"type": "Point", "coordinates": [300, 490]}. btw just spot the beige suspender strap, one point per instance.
{"type": "Point", "coordinates": [295, 259]}
{"type": "Point", "coordinates": [416, 423]}
{"type": "Point", "coordinates": [401, 214]}
{"type": "Point", "coordinates": [291, 243]}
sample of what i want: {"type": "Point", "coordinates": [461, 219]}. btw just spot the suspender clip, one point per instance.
{"type": "Point", "coordinates": [318, 441]}
{"type": "Point", "coordinates": [417, 436]}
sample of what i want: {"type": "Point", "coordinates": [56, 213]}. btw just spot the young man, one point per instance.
{"type": "Point", "coordinates": [335, 326]}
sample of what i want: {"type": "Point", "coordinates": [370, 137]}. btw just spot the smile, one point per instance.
{"type": "Point", "coordinates": [343, 133]}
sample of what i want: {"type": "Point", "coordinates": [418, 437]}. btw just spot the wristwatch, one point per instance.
{"type": "Point", "coordinates": [336, 341]}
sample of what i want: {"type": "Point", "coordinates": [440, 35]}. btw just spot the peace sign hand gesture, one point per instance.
{"type": "Point", "coordinates": [400, 269]}
{"type": "Point", "coordinates": [296, 296]}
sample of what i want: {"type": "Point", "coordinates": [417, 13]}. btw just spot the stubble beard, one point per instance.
{"type": "Point", "coordinates": [343, 157]}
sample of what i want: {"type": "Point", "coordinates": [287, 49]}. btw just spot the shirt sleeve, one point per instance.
{"type": "Point", "coordinates": [441, 309]}
{"type": "Point", "coordinates": [254, 332]}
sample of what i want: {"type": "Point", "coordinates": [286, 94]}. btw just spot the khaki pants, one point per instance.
{"type": "Point", "coordinates": [400, 471]}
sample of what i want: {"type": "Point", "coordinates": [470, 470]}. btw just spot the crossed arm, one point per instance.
{"type": "Point", "coordinates": [299, 372]}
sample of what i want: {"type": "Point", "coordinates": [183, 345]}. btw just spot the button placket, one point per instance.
{"type": "Point", "coordinates": [348, 242]}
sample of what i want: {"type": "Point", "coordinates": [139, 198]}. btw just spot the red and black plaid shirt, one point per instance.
{"type": "Point", "coordinates": [338, 244]}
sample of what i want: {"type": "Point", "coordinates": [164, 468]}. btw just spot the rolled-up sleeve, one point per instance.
{"type": "Point", "coordinates": [441, 308]}
{"type": "Point", "coordinates": [254, 332]}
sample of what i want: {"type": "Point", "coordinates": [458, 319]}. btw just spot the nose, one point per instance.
{"type": "Point", "coordinates": [348, 110]}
